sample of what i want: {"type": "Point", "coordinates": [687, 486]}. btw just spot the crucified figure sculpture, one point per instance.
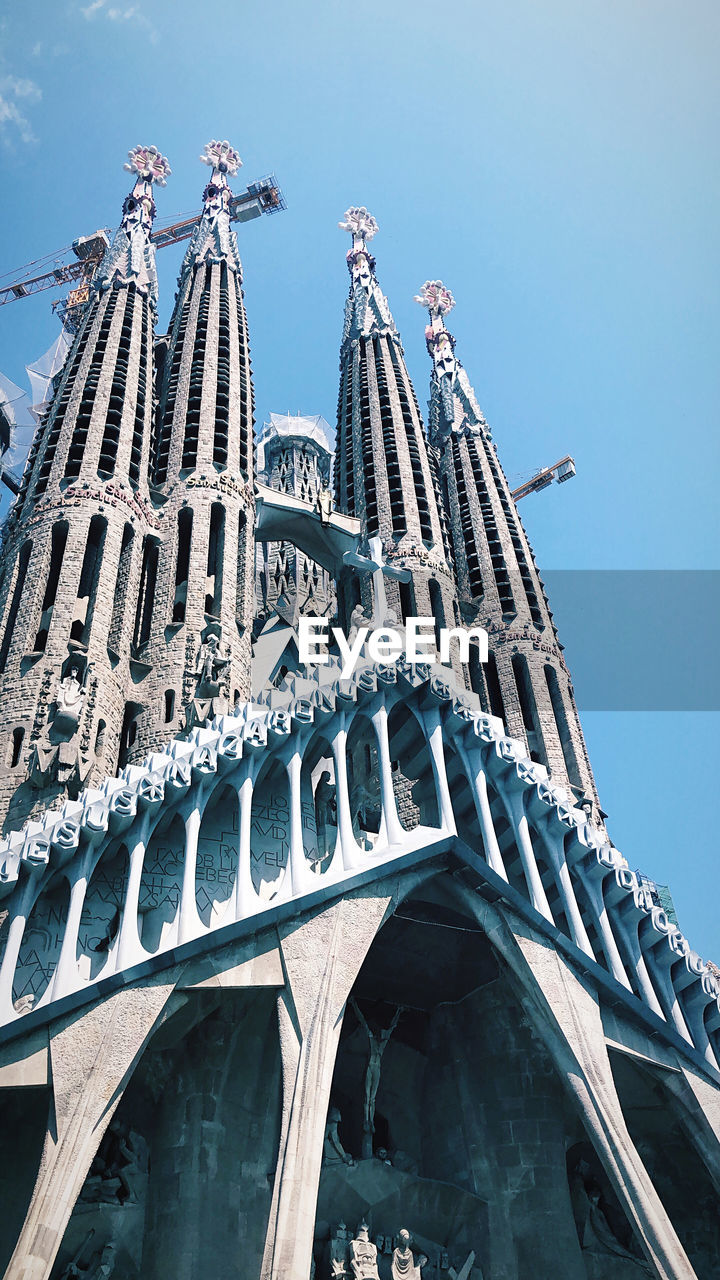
{"type": "Point", "coordinates": [378, 1045]}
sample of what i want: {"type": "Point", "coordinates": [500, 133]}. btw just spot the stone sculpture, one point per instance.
{"type": "Point", "coordinates": [363, 1255]}
{"type": "Point", "coordinates": [325, 812]}
{"type": "Point", "coordinates": [212, 662]}
{"type": "Point", "coordinates": [333, 1150]}
{"type": "Point", "coordinates": [404, 1264]}
{"type": "Point", "coordinates": [69, 699]}
{"type": "Point", "coordinates": [378, 1044]}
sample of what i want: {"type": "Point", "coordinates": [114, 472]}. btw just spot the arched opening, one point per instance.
{"type": "Point", "coordinates": [319, 803]}
{"type": "Point", "coordinates": [364, 781]}
{"type": "Point", "coordinates": [437, 608]}
{"type": "Point", "coordinates": [217, 855]}
{"type": "Point", "coordinates": [102, 911]}
{"type": "Point", "coordinates": [270, 831]}
{"type": "Point", "coordinates": [448, 1103]}
{"type": "Point", "coordinates": [215, 558]}
{"type": "Point", "coordinates": [100, 739]}
{"type": "Point", "coordinates": [57, 551]}
{"type": "Point", "coordinates": [497, 705]}
{"type": "Point", "coordinates": [20, 575]}
{"type": "Point", "coordinates": [680, 1177]}
{"type": "Point", "coordinates": [407, 600]}
{"type": "Point", "coordinates": [41, 943]}
{"type": "Point", "coordinates": [128, 731]}
{"type": "Point", "coordinates": [477, 677]}
{"type": "Point", "coordinates": [122, 582]}
{"type": "Point", "coordinates": [89, 579]}
{"type": "Point", "coordinates": [169, 705]}
{"type": "Point", "coordinates": [161, 883]}
{"type": "Point", "coordinates": [463, 803]}
{"type": "Point", "coordinates": [14, 748]}
{"type": "Point", "coordinates": [412, 772]}
{"type": "Point", "coordinates": [563, 726]}
{"type": "Point", "coordinates": [146, 594]}
{"type": "Point", "coordinates": [182, 563]}
{"type": "Point", "coordinates": [528, 707]}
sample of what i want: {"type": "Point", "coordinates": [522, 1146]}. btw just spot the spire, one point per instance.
{"type": "Point", "coordinates": [366, 312]}
{"type": "Point", "coordinates": [453, 404]}
{"type": "Point", "coordinates": [131, 257]}
{"type": "Point", "coordinates": [526, 681]}
{"type": "Point", "coordinates": [213, 240]}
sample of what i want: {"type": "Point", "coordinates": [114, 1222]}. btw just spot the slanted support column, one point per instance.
{"type": "Point", "coordinates": [393, 827]}
{"type": "Point", "coordinates": [92, 1056]}
{"type": "Point", "coordinates": [310, 1013]}
{"type": "Point", "coordinates": [435, 742]}
{"type": "Point", "coordinates": [472, 761]}
{"type": "Point", "coordinates": [245, 895]}
{"type": "Point", "coordinates": [351, 854]}
{"type": "Point", "coordinates": [130, 948]}
{"type": "Point", "coordinates": [566, 1014]}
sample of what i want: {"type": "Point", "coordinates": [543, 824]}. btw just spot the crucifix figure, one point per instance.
{"type": "Point", "coordinates": [378, 566]}
{"type": "Point", "coordinates": [378, 1045]}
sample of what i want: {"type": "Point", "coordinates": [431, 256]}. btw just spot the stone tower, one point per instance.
{"type": "Point", "coordinates": [383, 474]}
{"type": "Point", "coordinates": [294, 457]}
{"type": "Point", "coordinates": [195, 632]}
{"type": "Point", "coordinates": [525, 681]}
{"type": "Point", "coordinates": [73, 558]}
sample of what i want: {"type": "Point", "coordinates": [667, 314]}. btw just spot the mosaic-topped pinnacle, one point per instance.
{"type": "Point", "coordinates": [359, 223]}
{"type": "Point", "coordinates": [221, 156]}
{"type": "Point", "coordinates": [436, 297]}
{"type": "Point", "coordinates": [148, 163]}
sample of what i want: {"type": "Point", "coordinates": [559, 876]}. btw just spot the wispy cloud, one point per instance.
{"type": "Point", "coordinates": [132, 13]}
{"type": "Point", "coordinates": [13, 120]}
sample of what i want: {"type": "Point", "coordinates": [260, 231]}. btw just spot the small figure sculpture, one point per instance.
{"type": "Point", "coordinates": [333, 1150]}
{"type": "Point", "coordinates": [325, 812]}
{"type": "Point", "coordinates": [324, 505]}
{"type": "Point", "coordinates": [338, 1250]}
{"type": "Point", "coordinates": [378, 1045]}
{"type": "Point", "coordinates": [212, 662]}
{"type": "Point", "coordinates": [358, 619]}
{"type": "Point", "coordinates": [69, 697]}
{"type": "Point", "coordinates": [595, 1231]}
{"type": "Point", "coordinates": [363, 1255]}
{"type": "Point", "coordinates": [404, 1266]}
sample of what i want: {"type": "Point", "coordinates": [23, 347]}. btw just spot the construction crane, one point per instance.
{"type": "Point", "coordinates": [560, 471]}
{"type": "Point", "coordinates": [263, 196]}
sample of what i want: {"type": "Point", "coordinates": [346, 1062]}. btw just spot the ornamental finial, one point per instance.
{"type": "Point", "coordinates": [149, 164]}
{"type": "Point", "coordinates": [436, 297]}
{"type": "Point", "coordinates": [221, 156]}
{"type": "Point", "coordinates": [359, 223]}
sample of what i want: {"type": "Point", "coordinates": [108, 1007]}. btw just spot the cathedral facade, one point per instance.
{"type": "Point", "coordinates": [307, 974]}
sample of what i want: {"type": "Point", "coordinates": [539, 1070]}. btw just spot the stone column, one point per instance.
{"type": "Point", "coordinates": [322, 956]}
{"type": "Point", "coordinates": [93, 1054]}
{"type": "Point", "coordinates": [566, 1014]}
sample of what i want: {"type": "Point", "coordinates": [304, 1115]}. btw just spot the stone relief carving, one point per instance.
{"type": "Point", "coordinates": [333, 1150]}
{"type": "Point", "coordinates": [119, 1170]}
{"type": "Point", "coordinates": [378, 1044]}
{"type": "Point", "coordinates": [405, 1266]}
{"type": "Point", "coordinates": [596, 1232]}
{"type": "Point", "coordinates": [100, 1265]}
{"type": "Point", "coordinates": [213, 661]}
{"type": "Point", "coordinates": [325, 813]}
{"type": "Point", "coordinates": [363, 1255]}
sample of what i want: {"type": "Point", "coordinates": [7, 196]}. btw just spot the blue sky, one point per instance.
{"type": "Point", "coordinates": [555, 164]}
